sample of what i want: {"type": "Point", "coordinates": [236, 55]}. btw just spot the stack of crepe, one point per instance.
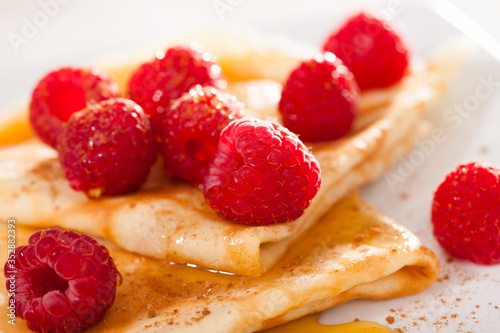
{"type": "Point", "coordinates": [185, 269]}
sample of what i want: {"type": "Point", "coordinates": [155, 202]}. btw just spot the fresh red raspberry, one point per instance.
{"type": "Point", "coordinates": [320, 99]}
{"type": "Point", "coordinates": [466, 213]}
{"type": "Point", "coordinates": [372, 49]}
{"type": "Point", "coordinates": [191, 129]}
{"type": "Point", "coordinates": [64, 281]}
{"type": "Point", "coordinates": [61, 93]}
{"type": "Point", "coordinates": [261, 173]}
{"type": "Point", "coordinates": [157, 83]}
{"type": "Point", "coordinates": [107, 148]}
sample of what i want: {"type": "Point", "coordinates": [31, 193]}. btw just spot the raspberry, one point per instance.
{"type": "Point", "coordinates": [466, 213]}
{"type": "Point", "coordinates": [63, 92]}
{"type": "Point", "coordinates": [64, 281]}
{"type": "Point", "coordinates": [261, 173]}
{"type": "Point", "coordinates": [191, 130]}
{"type": "Point", "coordinates": [107, 148]}
{"type": "Point", "coordinates": [320, 99]}
{"type": "Point", "coordinates": [155, 84]}
{"type": "Point", "coordinates": [372, 50]}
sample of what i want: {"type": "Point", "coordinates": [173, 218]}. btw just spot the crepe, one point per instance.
{"type": "Point", "coordinates": [170, 220]}
{"type": "Point", "coordinates": [353, 251]}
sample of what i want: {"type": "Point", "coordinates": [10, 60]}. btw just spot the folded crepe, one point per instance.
{"type": "Point", "coordinates": [353, 251]}
{"type": "Point", "coordinates": [170, 220]}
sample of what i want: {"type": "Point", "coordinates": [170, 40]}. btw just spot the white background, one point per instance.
{"type": "Point", "coordinates": [93, 32]}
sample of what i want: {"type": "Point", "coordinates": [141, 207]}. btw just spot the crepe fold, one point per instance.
{"type": "Point", "coordinates": [353, 251]}
{"type": "Point", "coordinates": [170, 220]}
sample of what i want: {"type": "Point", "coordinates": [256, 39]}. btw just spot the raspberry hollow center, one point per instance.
{"type": "Point", "coordinates": [45, 279]}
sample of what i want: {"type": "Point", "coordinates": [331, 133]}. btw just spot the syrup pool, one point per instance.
{"type": "Point", "coordinates": [310, 324]}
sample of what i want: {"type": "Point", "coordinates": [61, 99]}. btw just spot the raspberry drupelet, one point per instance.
{"type": "Point", "coordinates": [158, 82]}
{"type": "Point", "coordinates": [65, 281]}
{"type": "Point", "coordinates": [61, 93]}
{"type": "Point", "coordinates": [466, 213]}
{"type": "Point", "coordinates": [107, 148]}
{"type": "Point", "coordinates": [371, 48]}
{"type": "Point", "coordinates": [320, 99]}
{"type": "Point", "coordinates": [261, 173]}
{"type": "Point", "coordinates": [191, 129]}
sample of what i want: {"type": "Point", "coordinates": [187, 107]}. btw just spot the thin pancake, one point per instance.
{"type": "Point", "coordinates": [353, 251]}
{"type": "Point", "coordinates": [170, 220]}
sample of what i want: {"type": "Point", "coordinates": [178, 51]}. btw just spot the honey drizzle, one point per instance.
{"type": "Point", "coordinates": [310, 324]}
{"type": "Point", "coordinates": [15, 128]}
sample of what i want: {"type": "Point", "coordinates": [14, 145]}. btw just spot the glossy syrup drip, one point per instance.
{"type": "Point", "coordinates": [15, 129]}
{"type": "Point", "coordinates": [310, 324]}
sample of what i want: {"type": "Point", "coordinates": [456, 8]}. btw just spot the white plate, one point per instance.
{"type": "Point", "coordinates": [466, 297]}
{"type": "Point", "coordinates": [94, 31]}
